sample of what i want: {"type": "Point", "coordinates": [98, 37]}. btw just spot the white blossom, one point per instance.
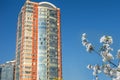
{"type": "Point", "coordinates": [119, 67]}
{"type": "Point", "coordinates": [84, 35]}
{"type": "Point", "coordinates": [94, 73]}
{"type": "Point", "coordinates": [96, 78]}
{"type": "Point", "coordinates": [118, 54]}
{"type": "Point", "coordinates": [113, 72]}
{"type": "Point", "coordinates": [89, 66]}
{"type": "Point", "coordinates": [85, 43]}
{"type": "Point", "coordinates": [107, 56]}
{"type": "Point", "coordinates": [107, 47]}
{"type": "Point", "coordinates": [117, 76]}
{"type": "Point", "coordinates": [96, 69]}
{"type": "Point", "coordinates": [89, 47]}
{"type": "Point", "coordinates": [106, 40]}
{"type": "Point", "coordinates": [106, 71]}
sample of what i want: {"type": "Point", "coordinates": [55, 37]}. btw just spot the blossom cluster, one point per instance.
{"type": "Point", "coordinates": [114, 73]}
{"type": "Point", "coordinates": [105, 49]}
{"type": "Point", "coordinates": [108, 68]}
{"type": "Point", "coordinates": [85, 43]}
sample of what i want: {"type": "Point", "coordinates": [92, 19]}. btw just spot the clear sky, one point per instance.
{"type": "Point", "coordinates": [94, 17]}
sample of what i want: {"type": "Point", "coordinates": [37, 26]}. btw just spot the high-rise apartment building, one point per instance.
{"type": "Point", "coordinates": [38, 44]}
{"type": "Point", "coordinates": [7, 70]}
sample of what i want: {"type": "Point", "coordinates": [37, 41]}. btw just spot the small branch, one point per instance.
{"type": "Point", "coordinates": [112, 63]}
{"type": "Point", "coordinates": [97, 52]}
{"type": "Point", "coordinates": [108, 61]}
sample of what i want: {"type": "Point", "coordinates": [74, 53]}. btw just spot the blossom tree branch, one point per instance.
{"type": "Point", "coordinates": [105, 53]}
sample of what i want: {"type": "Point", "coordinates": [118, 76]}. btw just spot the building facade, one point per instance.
{"type": "Point", "coordinates": [7, 71]}
{"type": "Point", "coordinates": [0, 71]}
{"type": "Point", "coordinates": [38, 44]}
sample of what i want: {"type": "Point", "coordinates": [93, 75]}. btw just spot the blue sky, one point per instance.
{"type": "Point", "coordinates": [94, 17]}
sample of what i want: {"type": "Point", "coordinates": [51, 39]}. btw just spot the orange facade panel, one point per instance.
{"type": "Point", "coordinates": [59, 46]}
{"type": "Point", "coordinates": [35, 42]}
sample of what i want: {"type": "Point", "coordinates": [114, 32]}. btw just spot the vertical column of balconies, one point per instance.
{"type": "Point", "coordinates": [22, 42]}
{"type": "Point", "coordinates": [52, 44]}
{"type": "Point", "coordinates": [28, 29]}
{"type": "Point", "coordinates": [18, 46]}
{"type": "Point", "coordinates": [53, 69]}
{"type": "Point", "coordinates": [42, 55]}
{"type": "Point", "coordinates": [35, 42]}
{"type": "Point", "coordinates": [26, 45]}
